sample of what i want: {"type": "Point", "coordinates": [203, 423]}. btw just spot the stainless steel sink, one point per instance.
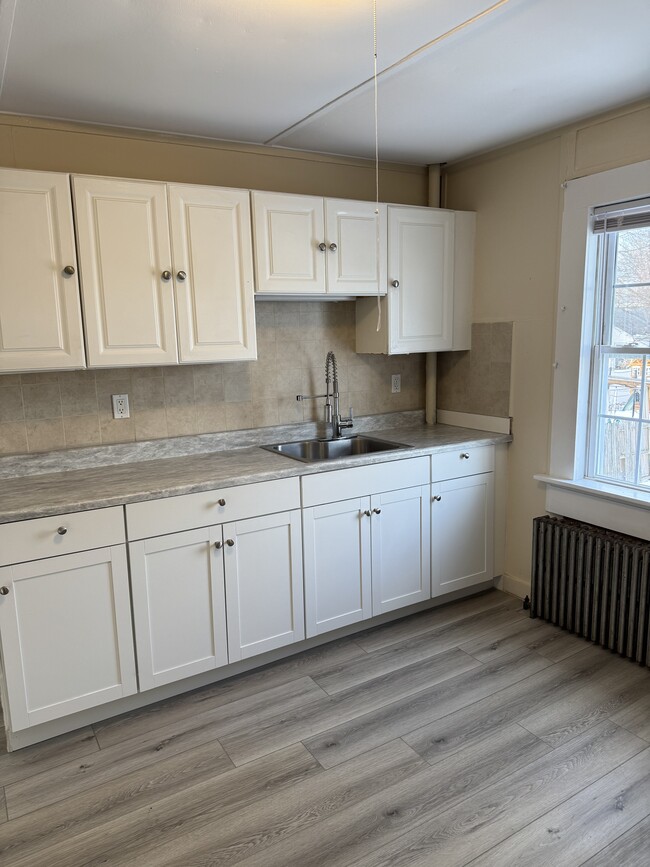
{"type": "Point", "coordinates": [310, 451]}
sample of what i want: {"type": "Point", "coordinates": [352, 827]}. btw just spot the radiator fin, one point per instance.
{"type": "Point", "coordinates": [593, 582]}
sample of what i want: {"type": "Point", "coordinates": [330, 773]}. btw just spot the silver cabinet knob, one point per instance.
{"type": "Point", "coordinates": [333, 247]}
{"type": "Point", "coordinates": [221, 502]}
{"type": "Point", "coordinates": [437, 498]}
{"type": "Point", "coordinates": [181, 276]}
{"type": "Point", "coordinates": [218, 545]}
{"type": "Point", "coordinates": [230, 542]}
{"type": "Point", "coordinates": [322, 246]}
{"type": "Point", "coordinates": [367, 513]}
{"type": "Point", "coordinates": [166, 275]}
{"type": "Point", "coordinates": [464, 455]}
{"type": "Point", "coordinates": [4, 591]}
{"type": "Point", "coordinates": [69, 270]}
{"type": "Point", "coordinates": [376, 511]}
{"type": "Point", "coordinates": [395, 284]}
{"type": "Point", "coordinates": [62, 531]}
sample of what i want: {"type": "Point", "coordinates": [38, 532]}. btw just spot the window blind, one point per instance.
{"type": "Point", "coordinates": [621, 215]}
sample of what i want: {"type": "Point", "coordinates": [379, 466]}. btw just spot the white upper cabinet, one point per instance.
{"type": "Point", "coordinates": [305, 245]}
{"type": "Point", "coordinates": [288, 231]}
{"type": "Point", "coordinates": [40, 312]}
{"type": "Point", "coordinates": [356, 247]}
{"type": "Point", "coordinates": [213, 273]}
{"type": "Point", "coordinates": [164, 281]}
{"type": "Point", "coordinates": [125, 259]}
{"type": "Point", "coordinates": [430, 284]}
{"type": "Point", "coordinates": [421, 267]}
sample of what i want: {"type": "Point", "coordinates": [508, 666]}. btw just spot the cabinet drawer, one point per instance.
{"type": "Point", "coordinates": [40, 537]}
{"type": "Point", "coordinates": [362, 481]}
{"type": "Point", "coordinates": [190, 511]}
{"type": "Point", "coordinates": [462, 462]}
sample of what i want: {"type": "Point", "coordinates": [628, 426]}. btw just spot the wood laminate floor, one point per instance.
{"type": "Point", "coordinates": [467, 734]}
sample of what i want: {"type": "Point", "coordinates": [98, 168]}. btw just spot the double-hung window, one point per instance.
{"type": "Point", "coordinates": [619, 414]}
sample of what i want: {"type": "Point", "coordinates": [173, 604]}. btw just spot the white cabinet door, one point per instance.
{"type": "Point", "coordinates": [430, 283]}
{"type": "Point", "coordinates": [355, 235]}
{"type": "Point", "coordinates": [421, 262]}
{"type": "Point", "coordinates": [179, 606]}
{"type": "Point", "coordinates": [65, 626]}
{"type": "Point", "coordinates": [462, 532]}
{"type": "Point", "coordinates": [40, 309]}
{"type": "Point", "coordinates": [336, 539]}
{"type": "Point", "coordinates": [125, 256]}
{"type": "Point", "coordinates": [213, 273]}
{"type": "Point", "coordinates": [401, 569]}
{"type": "Point", "coordinates": [288, 232]}
{"type": "Point", "coordinates": [264, 587]}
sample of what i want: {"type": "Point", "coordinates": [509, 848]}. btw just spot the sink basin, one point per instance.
{"type": "Point", "coordinates": [310, 451]}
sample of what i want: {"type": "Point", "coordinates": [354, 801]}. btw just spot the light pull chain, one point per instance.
{"type": "Point", "coordinates": [377, 233]}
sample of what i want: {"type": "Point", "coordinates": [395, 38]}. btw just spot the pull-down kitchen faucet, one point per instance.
{"type": "Point", "coordinates": [332, 412]}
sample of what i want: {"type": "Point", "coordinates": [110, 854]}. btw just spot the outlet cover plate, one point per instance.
{"type": "Point", "coordinates": [120, 405]}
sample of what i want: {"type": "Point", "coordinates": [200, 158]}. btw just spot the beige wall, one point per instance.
{"type": "Point", "coordinates": [27, 143]}
{"type": "Point", "coordinates": [39, 412]}
{"type": "Point", "coordinates": [517, 194]}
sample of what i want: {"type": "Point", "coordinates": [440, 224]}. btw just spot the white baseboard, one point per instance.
{"type": "Point", "coordinates": [473, 421]}
{"type": "Point", "coordinates": [513, 585]}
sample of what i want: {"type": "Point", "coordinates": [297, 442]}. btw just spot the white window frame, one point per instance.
{"type": "Point", "coordinates": [569, 492]}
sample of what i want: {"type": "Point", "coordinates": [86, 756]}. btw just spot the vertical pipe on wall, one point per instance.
{"type": "Point", "coordinates": [431, 366]}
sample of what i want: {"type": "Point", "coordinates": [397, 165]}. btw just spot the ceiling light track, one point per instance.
{"type": "Point", "coordinates": [396, 65]}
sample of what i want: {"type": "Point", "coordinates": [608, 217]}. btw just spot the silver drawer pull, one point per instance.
{"type": "Point", "coordinates": [4, 591]}
{"type": "Point", "coordinates": [62, 531]}
{"type": "Point", "coordinates": [221, 502]}
{"type": "Point", "coordinates": [437, 498]}
{"type": "Point", "coordinates": [367, 513]}
{"type": "Point", "coordinates": [376, 511]}
{"type": "Point", "coordinates": [230, 542]}
{"type": "Point", "coordinates": [465, 455]}
{"type": "Point", "coordinates": [218, 545]}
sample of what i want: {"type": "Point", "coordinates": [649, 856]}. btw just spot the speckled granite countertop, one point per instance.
{"type": "Point", "coordinates": [51, 493]}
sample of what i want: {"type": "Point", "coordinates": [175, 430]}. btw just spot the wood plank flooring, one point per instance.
{"type": "Point", "coordinates": [467, 734]}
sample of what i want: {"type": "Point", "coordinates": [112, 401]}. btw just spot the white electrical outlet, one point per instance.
{"type": "Point", "coordinates": [396, 383]}
{"type": "Point", "coordinates": [120, 405]}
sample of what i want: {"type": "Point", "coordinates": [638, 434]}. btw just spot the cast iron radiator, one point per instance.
{"type": "Point", "coordinates": [593, 582]}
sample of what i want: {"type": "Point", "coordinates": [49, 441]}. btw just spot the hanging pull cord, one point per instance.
{"type": "Point", "coordinates": [376, 101]}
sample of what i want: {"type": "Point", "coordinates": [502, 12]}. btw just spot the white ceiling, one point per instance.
{"type": "Point", "coordinates": [298, 73]}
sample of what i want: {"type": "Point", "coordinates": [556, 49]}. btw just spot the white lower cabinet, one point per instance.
{"type": "Point", "coordinates": [67, 642]}
{"type": "Point", "coordinates": [336, 538]}
{"type": "Point", "coordinates": [179, 606]}
{"type": "Point", "coordinates": [462, 526]}
{"type": "Point", "coordinates": [401, 550]}
{"type": "Point", "coordinates": [264, 586]}
{"type": "Point", "coordinates": [370, 553]}
{"type": "Point", "coordinates": [207, 596]}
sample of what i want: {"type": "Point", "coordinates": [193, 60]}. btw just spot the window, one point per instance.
{"type": "Point", "coordinates": [619, 428]}
{"type": "Point", "coordinates": [592, 305]}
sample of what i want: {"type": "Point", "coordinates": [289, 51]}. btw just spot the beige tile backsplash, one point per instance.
{"type": "Point", "coordinates": [478, 381]}
{"type": "Point", "coordinates": [45, 411]}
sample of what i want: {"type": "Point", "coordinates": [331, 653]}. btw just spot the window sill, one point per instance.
{"type": "Point", "coordinates": [599, 503]}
